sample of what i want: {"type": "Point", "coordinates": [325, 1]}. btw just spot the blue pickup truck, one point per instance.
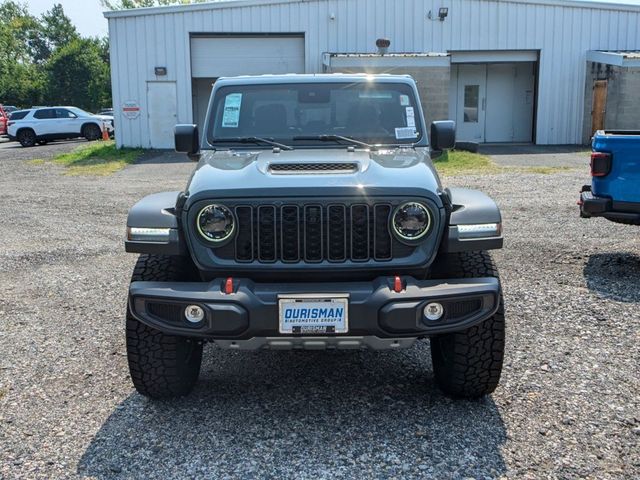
{"type": "Point", "coordinates": [614, 192]}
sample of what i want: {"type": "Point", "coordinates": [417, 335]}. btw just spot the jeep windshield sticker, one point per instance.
{"type": "Point", "coordinates": [411, 118]}
{"type": "Point", "coordinates": [231, 114]}
{"type": "Point", "coordinates": [376, 95]}
{"type": "Point", "coordinates": [406, 132]}
{"type": "Point", "coordinates": [404, 100]}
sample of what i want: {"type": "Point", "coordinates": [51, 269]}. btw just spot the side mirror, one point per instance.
{"type": "Point", "coordinates": [443, 135]}
{"type": "Point", "coordinates": [187, 139]}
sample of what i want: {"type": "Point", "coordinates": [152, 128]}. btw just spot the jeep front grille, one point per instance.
{"type": "Point", "coordinates": [312, 233]}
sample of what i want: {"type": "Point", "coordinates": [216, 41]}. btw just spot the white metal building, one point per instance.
{"type": "Point", "coordinates": [515, 70]}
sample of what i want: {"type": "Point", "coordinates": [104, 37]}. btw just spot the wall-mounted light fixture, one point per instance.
{"type": "Point", "coordinates": [443, 12]}
{"type": "Point", "coordinates": [383, 45]}
{"type": "Point", "coordinates": [160, 71]}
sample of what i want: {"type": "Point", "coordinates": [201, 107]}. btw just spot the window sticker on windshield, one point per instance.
{"type": "Point", "coordinates": [231, 114]}
{"type": "Point", "coordinates": [406, 132]}
{"type": "Point", "coordinates": [404, 100]}
{"type": "Point", "coordinates": [411, 118]}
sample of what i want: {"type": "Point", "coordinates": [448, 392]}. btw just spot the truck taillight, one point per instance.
{"type": "Point", "coordinates": [600, 164]}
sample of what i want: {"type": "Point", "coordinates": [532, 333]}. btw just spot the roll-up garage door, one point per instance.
{"type": "Point", "coordinates": [213, 57]}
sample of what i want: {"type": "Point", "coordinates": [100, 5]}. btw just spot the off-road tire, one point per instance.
{"type": "Point", "coordinates": [27, 137]}
{"type": "Point", "coordinates": [161, 366]}
{"type": "Point", "coordinates": [468, 363]}
{"type": "Point", "coordinates": [91, 132]}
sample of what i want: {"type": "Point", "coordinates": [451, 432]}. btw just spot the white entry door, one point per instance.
{"type": "Point", "coordinates": [162, 112]}
{"type": "Point", "coordinates": [471, 98]}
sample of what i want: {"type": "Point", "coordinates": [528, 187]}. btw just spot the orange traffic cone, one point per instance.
{"type": "Point", "coordinates": [105, 133]}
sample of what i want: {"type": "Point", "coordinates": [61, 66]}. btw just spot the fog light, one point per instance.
{"type": "Point", "coordinates": [433, 311]}
{"type": "Point", "coordinates": [194, 313]}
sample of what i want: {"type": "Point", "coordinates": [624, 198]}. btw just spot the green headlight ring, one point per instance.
{"type": "Point", "coordinates": [404, 238]}
{"type": "Point", "coordinates": [219, 240]}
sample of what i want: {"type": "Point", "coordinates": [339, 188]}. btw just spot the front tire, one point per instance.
{"type": "Point", "coordinates": [468, 363]}
{"type": "Point", "coordinates": [161, 365]}
{"type": "Point", "coordinates": [92, 132]}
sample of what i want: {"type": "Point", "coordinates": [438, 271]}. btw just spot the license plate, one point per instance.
{"type": "Point", "coordinates": [313, 315]}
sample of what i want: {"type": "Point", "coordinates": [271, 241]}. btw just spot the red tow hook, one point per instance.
{"type": "Point", "coordinates": [397, 284]}
{"type": "Point", "coordinates": [228, 286]}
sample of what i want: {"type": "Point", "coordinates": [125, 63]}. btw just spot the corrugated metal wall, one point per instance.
{"type": "Point", "coordinates": [562, 33]}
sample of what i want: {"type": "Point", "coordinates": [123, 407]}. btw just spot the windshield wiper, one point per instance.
{"type": "Point", "coordinates": [256, 140]}
{"type": "Point", "coordinates": [335, 138]}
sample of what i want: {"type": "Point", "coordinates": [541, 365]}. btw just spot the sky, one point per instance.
{"type": "Point", "coordinates": [86, 15]}
{"type": "Point", "coordinates": [88, 19]}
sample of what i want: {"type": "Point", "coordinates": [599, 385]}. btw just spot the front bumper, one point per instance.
{"type": "Point", "coordinates": [594, 206]}
{"type": "Point", "coordinates": [248, 317]}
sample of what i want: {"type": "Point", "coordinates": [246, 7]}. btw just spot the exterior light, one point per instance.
{"type": "Point", "coordinates": [411, 221]}
{"type": "Point", "coordinates": [442, 13]}
{"type": "Point", "coordinates": [480, 230]}
{"type": "Point", "coordinates": [150, 235]}
{"type": "Point", "coordinates": [433, 311]}
{"type": "Point", "coordinates": [215, 223]}
{"type": "Point", "coordinates": [194, 313]}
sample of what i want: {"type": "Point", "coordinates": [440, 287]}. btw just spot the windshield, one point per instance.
{"type": "Point", "coordinates": [308, 114]}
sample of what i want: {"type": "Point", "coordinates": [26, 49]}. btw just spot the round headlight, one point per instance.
{"type": "Point", "coordinates": [411, 221]}
{"type": "Point", "coordinates": [215, 223]}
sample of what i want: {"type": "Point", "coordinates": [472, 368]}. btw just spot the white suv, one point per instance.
{"type": "Point", "coordinates": [39, 125]}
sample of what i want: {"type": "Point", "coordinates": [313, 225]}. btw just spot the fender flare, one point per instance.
{"type": "Point", "coordinates": [471, 207]}
{"type": "Point", "coordinates": [156, 211]}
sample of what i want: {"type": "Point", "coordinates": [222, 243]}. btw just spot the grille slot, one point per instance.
{"type": "Point", "coordinates": [313, 233]}
{"type": "Point", "coordinates": [166, 311]}
{"type": "Point", "coordinates": [297, 168]}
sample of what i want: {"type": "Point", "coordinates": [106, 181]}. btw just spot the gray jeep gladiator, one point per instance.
{"type": "Point", "coordinates": [314, 219]}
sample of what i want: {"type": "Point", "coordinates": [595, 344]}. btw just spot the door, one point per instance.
{"type": "Point", "coordinates": [509, 104]}
{"type": "Point", "coordinates": [226, 56]}
{"type": "Point", "coordinates": [68, 122]}
{"type": "Point", "coordinates": [162, 113]}
{"type": "Point", "coordinates": [45, 122]}
{"type": "Point", "coordinates": [471, 98]}
{"type": "Point", "coordinates": [599, 105]}
{"type": "Point", "coordinates": [495, 102]}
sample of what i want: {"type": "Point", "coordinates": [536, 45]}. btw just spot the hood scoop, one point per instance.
{"type": "Point", "coordinates": [297, 168]}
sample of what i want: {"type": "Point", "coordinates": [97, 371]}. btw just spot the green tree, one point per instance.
{"type": "Point", "coordinates": [57, 30]}
{"type": "Point", "coordinates": [124, 4]}
{"type": "Point", "coordinates": [78, 75]}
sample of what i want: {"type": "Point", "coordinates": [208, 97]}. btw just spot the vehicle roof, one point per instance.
{"type": "Point", "coordinates": [314, 78]}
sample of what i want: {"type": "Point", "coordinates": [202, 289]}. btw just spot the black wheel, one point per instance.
{"type": "Point", "coordinates": [161, 366]}
{"type": "Point", "coordinates": [468, 364]}
{"type": "Point", "coordinates": [27, 138]}
{"type": "Point", "coordinates": [92, 132]}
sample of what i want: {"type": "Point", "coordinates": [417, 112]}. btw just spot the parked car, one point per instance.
{"type": "Point", "coordinates": [41, 125]}
{"type": "Point", "coordinates": [315, 219]}
{"type": "Point", "coordinates": [614, 192]}
{"type": "Point", "coordinates": [106, 111]}
{"type": "Point", "coordinates": [4, 118]}
{"type": "Point", "coordinates": [9, 108]}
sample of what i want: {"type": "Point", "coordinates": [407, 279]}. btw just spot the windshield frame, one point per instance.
{"type": "Point", "coordinates": [220, 92]}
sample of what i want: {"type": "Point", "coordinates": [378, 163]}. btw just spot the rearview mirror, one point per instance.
{"type": "Point", "coordinates": [187, 139]}
{"type": "Point", "coordinates": [443, 135]}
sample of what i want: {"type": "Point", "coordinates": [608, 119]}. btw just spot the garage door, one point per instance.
{"type": "Point", "coordinates": [227, 56]}
{"type": "Point", "coordinates": [213, 57]}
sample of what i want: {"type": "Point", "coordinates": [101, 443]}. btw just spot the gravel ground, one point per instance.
{"type": "Point", "coordinates": [571, 156]}
{"type": "Point", "coordinates": [568, 405]}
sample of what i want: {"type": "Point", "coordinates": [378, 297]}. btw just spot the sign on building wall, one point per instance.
{"type": "Point", "coordinates": [131, 109]}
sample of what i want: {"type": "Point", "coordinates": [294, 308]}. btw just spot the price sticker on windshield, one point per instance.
{"type": "Point", "coordinates": [405, 133]}
{"type": "Point", "coordinates": [231, 113]}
